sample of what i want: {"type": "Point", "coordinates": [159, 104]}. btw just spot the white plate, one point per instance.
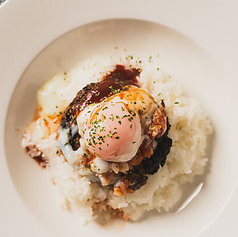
{"type": "Point", "coordinates": [198, 44]}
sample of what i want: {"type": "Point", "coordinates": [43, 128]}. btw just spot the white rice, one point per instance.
{"type": "Point", "coordinates": [189, 130]}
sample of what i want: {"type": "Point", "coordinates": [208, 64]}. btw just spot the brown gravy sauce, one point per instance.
{"type": "Point", "coordinates": [37, 155]}
{"type": "Point", "coordinates": [114, 82]}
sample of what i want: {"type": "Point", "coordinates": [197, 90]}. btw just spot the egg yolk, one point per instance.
{"type": "Point", "coordinates": [113, 132]}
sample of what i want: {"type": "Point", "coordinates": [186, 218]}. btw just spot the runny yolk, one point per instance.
{"type": "Point", "coordinates": [113, 132]}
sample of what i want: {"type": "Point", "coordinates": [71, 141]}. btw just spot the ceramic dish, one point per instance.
{"type": "Point", "coordinates": [197, 41]}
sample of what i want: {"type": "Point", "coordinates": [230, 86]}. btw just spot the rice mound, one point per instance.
{"type": "Point", "coordinates": [189, 130]}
